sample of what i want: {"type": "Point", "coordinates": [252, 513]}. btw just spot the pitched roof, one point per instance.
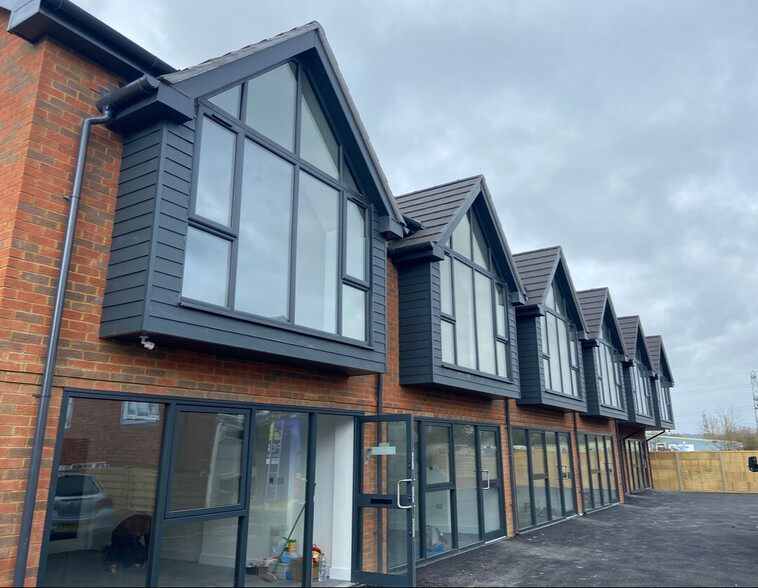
{"type": "Point", "coordinates": [536, 269]}
{"type": "Point", "coordinates": [654, 346]}
{"type": "Point", "coordinates": [631, 326]}
{"type": "Point", "coordinates": [593, 308]}
{"type": "Point", "coordinates": [435, 208]}
{"type": "Point", "coordinates": [232, 56]}
{"type": "Point", "coordinates": [438, 210]}
{"type": "Point", "coordinates": [658, 357]}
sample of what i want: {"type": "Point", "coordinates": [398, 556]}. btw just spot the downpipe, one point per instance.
{"type": "Point", "coordinates": [52, 350]}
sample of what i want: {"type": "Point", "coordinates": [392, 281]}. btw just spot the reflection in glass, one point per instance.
{"type": "Point", "coordinates": [105, 492]}
{"type": "Point", "coordinates": [353, 312]}
{"type": "Point", "coordinates": [448, 342]}
{"type": "Point", "coordinates": [229, 100]}
{"type": "Point", "coordinates": [485, 323]}
{"type": "Point", "coordinates": [466, 494]}
{"type": "Point", "coordinates": [355, 260]}
{"type": "Point", "coordinates": [317, 142]}
{"type": "Point", "coordinates": [462, 238]}
{"type": "Point", "coordinates": [465, 335]}
{"type": "Point", "coordinates": [215, 172]}
{"type": "Point", "coordinates": [521, 473]}
{"type": "Point", "coordinates": [199, 554]}
{"type": "Point", "coordinates": [492, 499]}
{"type": "Point", "coordinates": [569, 497]}
{"type": "Point", "coordinates": [277, 493]}
{"type": "Point", "coordinates": [554, 476]}
{"type": "Point", "coordinates": [437, 454]}
{"type": "Point", "coordinates": [586, 491]}
{"type": "Point", "coordinates": [446, 286]}
{"type": "Point", "coordinates": [541, 514]}
{"type": "Point", "coordinates": [439, 527]}
{"type": "Point", "coordinates": [206, 267]}
{"type": "Point", "coordinates": [271, 105]}
{"type": "Point", "coordinates": [481, 249]}
{"type": "Point", "coordinates": [490, 476]}
{"type": "Point", "coordinates": [317, 255]}
{"type": "Point", "coordinates": [609, 453]}
{"type": "Point", "coordinates": [207, 460]}
{"type": "Point", "coordinates": [262, 285]}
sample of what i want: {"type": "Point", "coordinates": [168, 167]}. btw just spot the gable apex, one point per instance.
{"type": "Point", "coordinates": [634, 337]}
{"type": "Point", "coordinates": [538, 269]}
{"type": "Point", "coordinates": [437, 211]}
{"type": "Point", "coordinates": [309, 46]}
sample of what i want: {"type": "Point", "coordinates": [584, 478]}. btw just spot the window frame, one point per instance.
{"type": "Point", "coordinates": [640, 378]}
{"type": "Point", "coordinates": [127, 418]}
{"type": "Point", "coordinates": [606, 352]}
{"type": "Point", "coordinates": [572, 339]}
{"type": "Point", "coordinates": [497, 283]}
{"type": "Point", "coordinates": [208, 111]}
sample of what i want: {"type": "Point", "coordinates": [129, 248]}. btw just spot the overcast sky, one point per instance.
{"type": "Point", "coordinates": [627, 132]}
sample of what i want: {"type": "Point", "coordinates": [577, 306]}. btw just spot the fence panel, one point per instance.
{"type": "Point", "coordinates": [703, 471]}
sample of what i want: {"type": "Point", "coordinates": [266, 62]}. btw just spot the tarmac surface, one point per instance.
{"type": "Point", "coordinates": [655, 539]}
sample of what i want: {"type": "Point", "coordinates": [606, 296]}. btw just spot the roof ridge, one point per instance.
{"type": "Point", "coordinates": [553, 248]}
{"type": "Point", "coordinates": [430, 188]}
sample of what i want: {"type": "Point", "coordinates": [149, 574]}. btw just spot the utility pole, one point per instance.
{"type": "Point", "coordinates": [754, 384]}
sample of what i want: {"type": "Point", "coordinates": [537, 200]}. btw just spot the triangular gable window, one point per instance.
{"type": "Point", "coordinates": [474, 303]}
{"type": "Point", "coordinates": [560, 345]}
{"type": "Point", "coordinates": [271, 109]}
{"type": "Point", "coordinates": [268, 196]}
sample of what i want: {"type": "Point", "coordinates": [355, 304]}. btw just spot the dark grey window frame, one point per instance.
{"type": "Point", "coordinates": [496, 282]}
{"type": "Point", "coordinates": [208, 110]}
{"type": "Point", "coordinates": [565, 509]}
{"type": "Point", "coordinates": [605, 472]}
{"type": "Point", "coordinates": [451, 486]}
{"type": "Point", "coordinates": [663, 390]}
{"type": "Point", "coordinates": [642, 375]}
{"type": "Point", "coordinates": [173, 405]}
{"type": "Point", "coordinates": [572, 336]}
{"type": "Point", "coordinates": [618, 375]}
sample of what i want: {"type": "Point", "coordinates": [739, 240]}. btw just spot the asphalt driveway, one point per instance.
{"type": "Point", "coordinates": [656, 539]}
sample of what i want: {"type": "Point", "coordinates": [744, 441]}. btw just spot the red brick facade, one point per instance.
{"type": "Point", "coordinates": [46, 90]}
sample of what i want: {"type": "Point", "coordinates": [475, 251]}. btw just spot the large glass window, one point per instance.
{"type": "Point", "coordinates": [664, 399]}
{"type": "Point", "coordinates": [474, 303]}
{"type": "Point", "coordinates": [640, 377]}
{"type": "Point", "coordinates": [278, 228]}
{"type": "Point", "coordinates": [544, 476]}
{"type": "Point", "coordinates": [607, 372]}
{"type": "Point", "coordinates": [559, 346]}
{"type": "Point", "coordinates": [105, 493]}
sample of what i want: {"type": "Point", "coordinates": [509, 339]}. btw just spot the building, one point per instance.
{"type": "Point", "coordinates": [258, 342]}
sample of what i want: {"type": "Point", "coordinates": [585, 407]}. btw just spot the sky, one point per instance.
{"type": "Point", "coordinates": [626, 132]}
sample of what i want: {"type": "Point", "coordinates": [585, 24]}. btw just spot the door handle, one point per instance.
{"type": "Point", "coordinates": [409, 481]}
{"type": "Point", "coordinates": [564, 472]}
{"type": "Point", "coordinates": [488, 479]}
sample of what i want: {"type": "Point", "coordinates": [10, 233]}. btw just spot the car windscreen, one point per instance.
{"type": "Point", "coordinates": [71, 486]}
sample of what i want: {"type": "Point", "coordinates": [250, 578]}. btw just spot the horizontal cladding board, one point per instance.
{"type": "Point", "coordinates": [126, 281]}
{"type": "Point", "coordinates": [265, 340]}
{"type": "Point", "coordinates": [131, 266]}
{"type": "Point", "coordinates": [132, 224]}
{"type": "Point", "coordinates": [125, 296]}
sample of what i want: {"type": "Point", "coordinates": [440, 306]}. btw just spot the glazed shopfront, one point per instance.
{"type": "Point", "coordinates": [173, 491]}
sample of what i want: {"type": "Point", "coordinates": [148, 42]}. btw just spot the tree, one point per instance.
{"type": "Point", "coordinates": [726, 426]}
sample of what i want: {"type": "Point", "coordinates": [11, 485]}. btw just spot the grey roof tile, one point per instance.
{"type": "Point", "coordinates": [593, 304]}
{"type": "Point", "coordinates": [536, 269]}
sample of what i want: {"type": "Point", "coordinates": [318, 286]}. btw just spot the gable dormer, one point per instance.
{"type": "Point", "coordinates": [603, 354]}
{"type": "Point", "coordinates": [662, 383]}
{"type": "Point", "coordinates": [550, 327]}
{"type": "Point", "coordinates": [638, 373]}
{"type": "Point", "coordinates": [457, 287]}
{"type": "Point", "coordinates": [257, 227]}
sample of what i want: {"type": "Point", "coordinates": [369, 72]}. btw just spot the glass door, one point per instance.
{"type": "Point", "coordinates": [567, 474]}
{"type": "Point", "coordinates": [384, 502]}
{"type": "Point", "coordinates": [490, 483]}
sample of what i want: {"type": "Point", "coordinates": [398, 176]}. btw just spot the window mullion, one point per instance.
{"type": "Point", "coordinates": [472, 271]}
{"type": "Point", "coordinates": [235, 224]}
{"type": "Point", "coordinates": [341, 253]}
{"type": "Point", "coordinates": [293, 245]}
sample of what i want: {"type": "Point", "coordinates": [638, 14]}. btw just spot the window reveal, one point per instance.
{"type": "Point", "coordinates": [473, 300]}
{"type": "Point", "coordinates": [277, 233]}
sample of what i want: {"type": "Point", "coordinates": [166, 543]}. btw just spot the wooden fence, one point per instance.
{"type": "Point", "coordinates": [703, 471]}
